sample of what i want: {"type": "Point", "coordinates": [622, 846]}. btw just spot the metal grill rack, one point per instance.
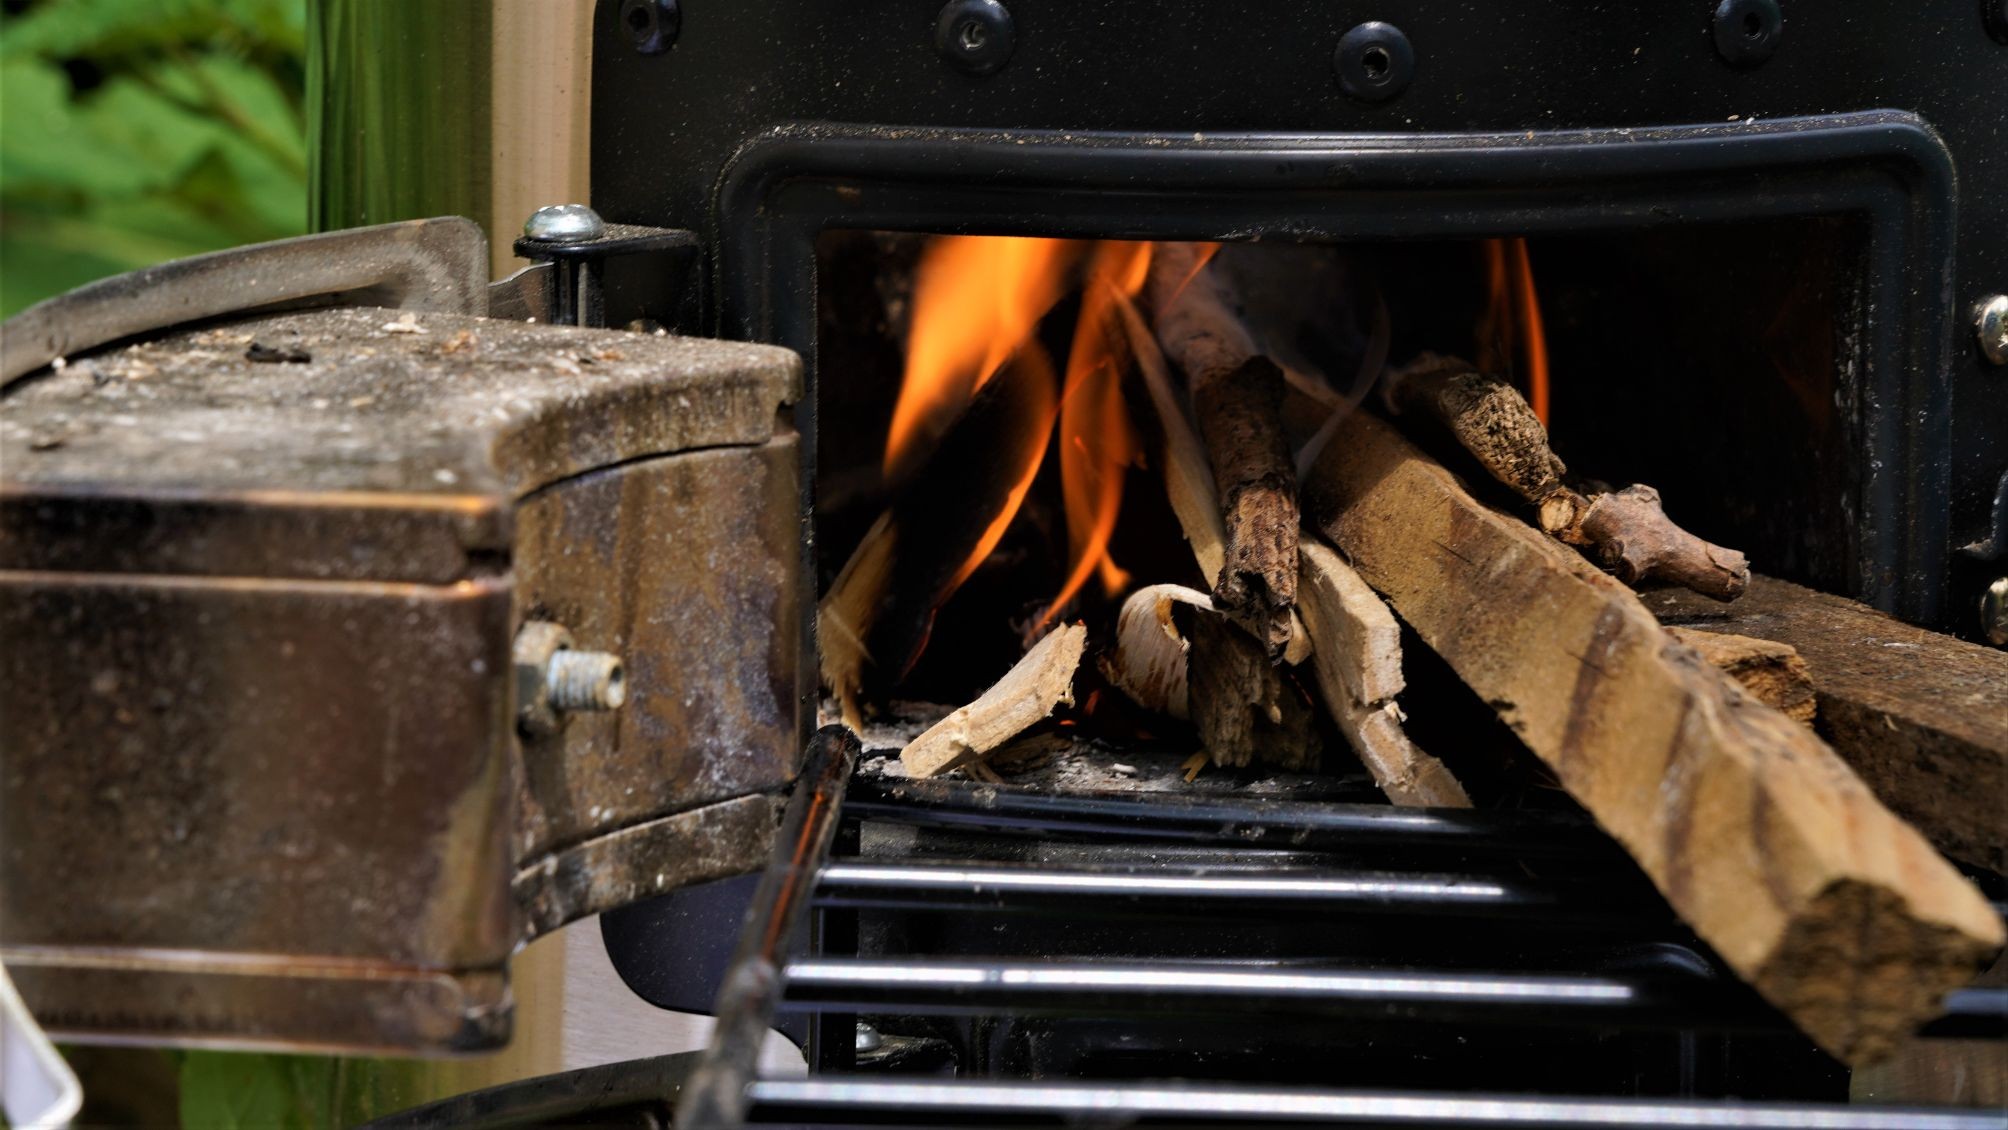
{"type": "Point", "coordinates": [1078, 950]}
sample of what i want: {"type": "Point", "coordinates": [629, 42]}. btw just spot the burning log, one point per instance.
{"type": "Point", "coordinates": [1626, 530]}
{"type": "Point", "coordinates": [1757, 834]}
{"type": "Point", "coordinates": [1772, 672]}
{"type": "Point", "coordinates": [1176, 654]}
{"type": "Point", "coordinates": [1027, 694]}
{"type": "Point", "coordinates": [1237, 398]}
{"type": "Point", "coordinates": [1357, 661]}
{"type": "Point", "coordinates": [878, 611]}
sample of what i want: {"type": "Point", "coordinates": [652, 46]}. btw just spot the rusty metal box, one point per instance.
{"type": "Point", "coordinates": [269, 771]}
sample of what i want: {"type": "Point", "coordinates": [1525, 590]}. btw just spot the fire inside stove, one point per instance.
{"type": "Point", "coordinates": [1058, 522]}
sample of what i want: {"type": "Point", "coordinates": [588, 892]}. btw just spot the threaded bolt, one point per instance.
{"type": "Point", "coordinates": [585, 680]}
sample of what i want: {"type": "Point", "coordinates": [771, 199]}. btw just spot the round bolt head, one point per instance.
{"type": "Point", "coordinates": [1747, 31]}
{"type": "Point", "coordinates": [975, 35]}
{"type": "Point", "coordinates": [1990, 324]}
{"type": "Point", "coordinates": [651, 25]}
{"type": "Point", "coordinates": [1994, 613]}
{"type": "Point", "coordinates": [869, 1039]}
{"type": "Point", "coordinates": [564, 223]}
{"type": "Point", "coordinates": [1374, 61]}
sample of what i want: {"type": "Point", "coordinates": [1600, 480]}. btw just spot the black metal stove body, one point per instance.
{"type": "Point", "coordinates": [986, 931]}
{"type": "Point", "coordinates": [761, 125]}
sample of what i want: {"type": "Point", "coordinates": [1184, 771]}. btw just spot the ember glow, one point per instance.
{"type": "Point", "coordinates": [976, 299]}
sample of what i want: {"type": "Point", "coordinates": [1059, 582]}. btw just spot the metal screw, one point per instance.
{"type": "Point", "coordinates": [564, 223]}
{"type": "Point", "coordinates": [1990, 322]}
{"type": "Point", "coordinates": [585, 680]}
{"type": "Point", "coordinates": [553, 679]}
{"type": "Point", "coordinates": [1747, 32]}
{"type": "Point", "coordinates": [869, 1039]}
{"type": "Point", "coordinates": [1994, 613]}
{"type": "Point", "coordinates": [1374, 61]}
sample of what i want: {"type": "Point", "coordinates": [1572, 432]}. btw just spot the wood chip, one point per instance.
{"type": "Point", "coordinates": [1040, 683]}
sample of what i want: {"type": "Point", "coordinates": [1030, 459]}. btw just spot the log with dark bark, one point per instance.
{"type": "Point", "coordinates": [1923, 717]}
{"type": "Point", "coordinates": [1237, 399]}
{"type": "Point", "coordinates": [1626, 531]}
{"type": "Point", "coordinates": [1759, 835]}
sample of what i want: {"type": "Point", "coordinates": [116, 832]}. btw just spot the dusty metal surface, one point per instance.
{"type": "Point", "coordinates": [435, 264]}
{"type": "Point", "coordinates": [450, 408]}
{"type": "Point", "coordinates": [716, 841]}
{"type": "Point", "coordinates": [684, 567]}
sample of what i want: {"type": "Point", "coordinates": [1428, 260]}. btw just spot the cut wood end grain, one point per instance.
{"type": "Point", "coordinates": [1772, 672]}
{"type": "Point", "coordinates": [1037, 685]}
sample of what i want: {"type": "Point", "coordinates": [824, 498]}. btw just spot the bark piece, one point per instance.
{"type": "Point", "coordinates": [1151, 654]}
{"type": "Point", "coordinates": [1772, 672]}
{"type": "Point", "coordinates": [1627, 531]}
{"type": "Point", "coordinates": [1356, 658]}
{"type": "Point", "coordinates": [1758, 835]}
{"type": "Point", "coordinates": [1923, 717]}
{"type": "Point", "coordinates": [1040, 682]}
{"type": "Point", "coordinates": [1237, 399]}
{"type": "Point", "coordinates": [1245, 707]}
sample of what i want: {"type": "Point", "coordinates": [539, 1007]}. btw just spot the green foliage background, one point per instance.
{"type": "Point", "coordinates": [134, 131]}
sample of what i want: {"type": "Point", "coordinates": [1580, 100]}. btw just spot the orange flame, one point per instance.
{"type": "Point", "coordinates": [1513, 317]}
{"type": "Point", "coordinates": [1028, 470]}
{"type": "Point", "coordinates": [975, 300]}
{"type": "Point", "coordinates": [1533, 338]}
{"type": "Point", "coordinates": [1096, 440]}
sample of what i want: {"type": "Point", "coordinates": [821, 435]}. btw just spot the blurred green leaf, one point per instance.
{"type": "Point", "coordinates": [132, 132]}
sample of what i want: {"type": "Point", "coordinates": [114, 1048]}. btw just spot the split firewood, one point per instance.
{"type": "Point", "coordinates": [1627, 531]}
{"type": "Point", "coordinates": [1027, 694]}
{"type": "Point", "coordinates": [1357, 661]}
{"type": "Point", "coordinates": [1188, 481]}
{"type": "Point", "coordinates": [1237, 399]}
{"type": "Point", "coordinates": [1923, 717]}
{"type": "Point", "coordinates": [1772, 672]}
{"type": "Point", "coordinates": [1761, 838]}
{"type": "Point", "coordinates": [1176, 654]}
{"type": "Point", "coordinates": [877, 613]}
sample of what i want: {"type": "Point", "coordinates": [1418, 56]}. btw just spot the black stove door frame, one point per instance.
{"type": "Point", "coordinates": [1886, 169]}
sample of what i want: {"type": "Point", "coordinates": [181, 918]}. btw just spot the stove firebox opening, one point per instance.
{"type": "Point", "coordinates": [1030, 482]}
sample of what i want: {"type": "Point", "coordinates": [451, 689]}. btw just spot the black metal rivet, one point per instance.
{"type": "Point", "coordinates": [1994, 13]}
{"type": "Point", "coordinates": [1747, 31]}
{"type": "Point", "coordinates": [975, 35]}
{"type": "Point", "coordinates": [651, 25]}
{"type": "Point", "coordinates": [1374, 61]}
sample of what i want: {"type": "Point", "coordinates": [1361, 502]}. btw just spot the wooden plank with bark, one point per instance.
{"type": "Point", "coordinates": [1758, 835]}
{"type": "Point", "coordinates": [1923, 717]}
